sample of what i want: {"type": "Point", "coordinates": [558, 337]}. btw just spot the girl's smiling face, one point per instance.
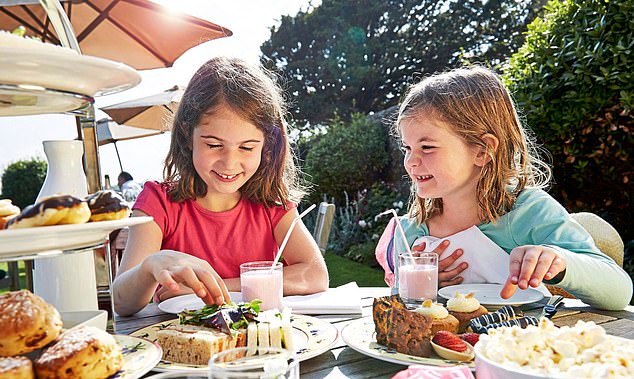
{"type": "Point", "coordinates": [440, 163]}
{"type": "Point", "coordinates": [226, 151]}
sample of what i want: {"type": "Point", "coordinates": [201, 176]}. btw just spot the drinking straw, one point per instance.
{"type": "Point", "coordinates": [288, 234]}
{"type": "Point", "coordinates": [399, 227]}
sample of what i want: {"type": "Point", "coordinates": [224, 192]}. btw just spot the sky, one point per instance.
{"type": "Point", "coordinates": [21, 136]}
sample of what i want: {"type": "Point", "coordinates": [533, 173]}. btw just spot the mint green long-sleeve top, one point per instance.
{"type": "Point", "coordinates": [538, 219]}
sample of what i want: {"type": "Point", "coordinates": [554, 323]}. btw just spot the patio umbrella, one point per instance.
{"type": "Point", "coordinates": [109, 131]}
{"type": "Point", "coordinates": [151, 112]}
{"type": "Point", "coordinates": [139, 33]}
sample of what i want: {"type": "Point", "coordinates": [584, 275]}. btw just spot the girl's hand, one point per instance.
{"type": "Point", "coordinates": [176, 272]}
{"type": "Point", "coordinates": [530, 265]}
{"type": "Point", "coordinates": [163, 293]}
{"type": "Point", "coordinates": [446, 277]}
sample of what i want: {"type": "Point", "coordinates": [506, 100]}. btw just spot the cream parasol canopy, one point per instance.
{"type": "Point", "coordinates": [139, 33]}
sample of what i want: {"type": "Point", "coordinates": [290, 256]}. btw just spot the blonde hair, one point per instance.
{"type": "Point", "coordinates": [475, 102]}
{"type": "Point", "coordinates": [251, 92]}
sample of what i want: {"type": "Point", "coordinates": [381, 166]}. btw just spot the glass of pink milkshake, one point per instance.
{"type": "Point", "coordinates": [418, 277]}
{"type": "Point", "coordinates": [262, 280]}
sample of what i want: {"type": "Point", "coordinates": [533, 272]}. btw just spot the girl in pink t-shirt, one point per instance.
{"type": "Point", "coordinates": [229, 196]}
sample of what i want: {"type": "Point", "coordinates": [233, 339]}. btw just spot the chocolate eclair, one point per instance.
{"type": "Point", "coordinates": [52, 210]}
{"type": "Point", "coordinates": [107, 205]}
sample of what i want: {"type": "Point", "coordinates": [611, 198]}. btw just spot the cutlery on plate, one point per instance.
{"type": "Point", "coordinates": [551, 307]}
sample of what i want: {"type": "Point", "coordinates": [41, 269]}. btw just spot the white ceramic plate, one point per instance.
{"type": "Point", "coordinates": [44, 239]}
{"type": "Point", "coordinates": [311, 335]}
{"type": "Point", "coordinates": [489, 294]}
{"type": "Point", "coordinates": [359, 335]}
{"type": "Point", "coordinates": [65, 71]}
{"type": "Point", "coordinates": [177, 304]}
{"type": "Point", "coordinates": [139, 356]}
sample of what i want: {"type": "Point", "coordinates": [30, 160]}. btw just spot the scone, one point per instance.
{"type": "Point", "coordinates": [7, 211]}
{"type": "Point", "coordinates": [27, 323]}
{"type": "Point", "coordinates": [464, 308]}
{"type": "Point", "coordinates": [16, 368]}
{"type": "Point", "coordinates": [52, 210]}
{"type": "Point", "coordinates": [83, 352]}
{"type": "Point", "coordinates": [441, 319]}
{"type": "Point", "coordinates": [107, 205]}
{"type": "Point", "coordinates": [195, 345]}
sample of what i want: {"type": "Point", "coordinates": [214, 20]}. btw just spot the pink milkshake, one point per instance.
{"type": "Point", "coordinates": [259, 281]}
{"type": "Point", "coordinates": [418, 277]}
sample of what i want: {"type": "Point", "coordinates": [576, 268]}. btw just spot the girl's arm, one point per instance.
{"type": "Point", "coordinates": [546, 235]}
{"type": "Point", "coordinates": [306, 272]}
{"type": "Point", "coordinates": [144, 266]}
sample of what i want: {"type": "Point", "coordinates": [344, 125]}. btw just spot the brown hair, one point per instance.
{"type": "Point", "coordinates": [251, 92]}
{"type": "Point", "coordinates": [475, 102]}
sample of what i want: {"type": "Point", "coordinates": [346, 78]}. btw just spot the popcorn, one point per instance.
{"type": "Point", "coordinates": [582, 351]}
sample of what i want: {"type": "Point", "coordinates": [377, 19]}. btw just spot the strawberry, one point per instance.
{"type": "Point", "coordinates": [449, 341]}
{"type": "Point", "coordinates": [471, 338]}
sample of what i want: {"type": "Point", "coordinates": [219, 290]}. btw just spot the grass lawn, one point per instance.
{"type": "Point", "coordinates": [4, 266]}
{"type": "Point", "coordinates": [343, 270]}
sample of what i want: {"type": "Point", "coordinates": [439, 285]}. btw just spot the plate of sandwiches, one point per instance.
{"type": "Point", "coordinates": [189, 341]}
{"type": "Point", "coordinates": [83, 351]}
{"type": "Point", "coordinates": [429, 334]}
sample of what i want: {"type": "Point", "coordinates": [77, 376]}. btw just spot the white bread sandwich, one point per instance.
{"type": "Point", "coordinates": [205, 332]}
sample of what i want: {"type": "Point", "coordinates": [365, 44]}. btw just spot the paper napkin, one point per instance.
{"type": "Point", "coordinates": [345, 299]}
{"type": "Point", "coordinates": [488, 263]}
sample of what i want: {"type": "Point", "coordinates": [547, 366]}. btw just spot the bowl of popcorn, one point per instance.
{"type": "Point", "coordinates": [546, 351]}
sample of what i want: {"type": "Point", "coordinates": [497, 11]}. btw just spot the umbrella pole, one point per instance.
{"type": "Point", "coordinates": [118, 156]}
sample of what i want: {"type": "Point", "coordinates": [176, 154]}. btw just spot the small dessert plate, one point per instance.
{"type": "Point", "coordinates": [453, 355]}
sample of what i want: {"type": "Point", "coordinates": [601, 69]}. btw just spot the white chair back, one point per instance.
{"type": "Point", "coordinates": [323, 224]}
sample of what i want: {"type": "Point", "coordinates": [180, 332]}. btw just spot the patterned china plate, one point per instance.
{"type": "Point", "coordinates": [311, 335]}
{"type": "Point", "coordinates": [359, 335]}
{"type": "Point", "coordinates": [139, 356]}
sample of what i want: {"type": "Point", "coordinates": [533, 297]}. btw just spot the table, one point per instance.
{"type": "Point", "coordinates": [344, 362]}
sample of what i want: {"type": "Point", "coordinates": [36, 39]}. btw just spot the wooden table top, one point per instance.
{"type": "Point", "coordinates": [342, 361]}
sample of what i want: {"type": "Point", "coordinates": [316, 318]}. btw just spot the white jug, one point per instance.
{"type": "Point", "coordinates": [66, 281]}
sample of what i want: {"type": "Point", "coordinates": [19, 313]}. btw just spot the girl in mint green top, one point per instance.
{"type": "Point", "coordinates": [471, 163]}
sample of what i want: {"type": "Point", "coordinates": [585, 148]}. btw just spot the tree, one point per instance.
{"type": "Point", "coordinates": [22, 181]}
{"type": "Point", "coordinates": [349, 157]}
{"type": "Point", "coordinates": [573, 79]}
{"type": "Point", "coordinates": [357, 56]}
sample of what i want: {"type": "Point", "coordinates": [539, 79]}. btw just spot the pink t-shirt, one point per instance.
{"type": "Point", "coordinates": [224, 239]}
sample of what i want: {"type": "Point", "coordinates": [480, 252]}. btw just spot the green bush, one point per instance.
{"type": "Point", "coordinates": [22, 181]}
{"type": "Point", "coordinates": [349, 157]}
{"type": "Point", "coordinates": [356, 221]}
{"type": "Point", "coordinates": [573, 79]}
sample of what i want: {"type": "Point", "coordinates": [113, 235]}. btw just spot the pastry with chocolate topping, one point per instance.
{"type": "Point", "coordinates": [27, 323]}
{"type": "Point", "coordinates": [52, 210]}
{"type": "Point", "coordinates": [16, 368]}
{"type": "Point", "coordinates": [107, 205]}
{"type": "Point", "coordinates": [81, 352]}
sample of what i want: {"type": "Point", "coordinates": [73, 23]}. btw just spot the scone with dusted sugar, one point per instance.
{"type": "Point", "coordinates": [83, 352]}
{"type": "Point", "coordinates": [194, 344]}
{"type": "Point", "coordinates": [441, 319]}
{"type": "Point", "coordinates": [464, 308]}
{"type": "Point", "coordinates": [16, 368]}
{"type": "Point", "coordinates": [27, 322]}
